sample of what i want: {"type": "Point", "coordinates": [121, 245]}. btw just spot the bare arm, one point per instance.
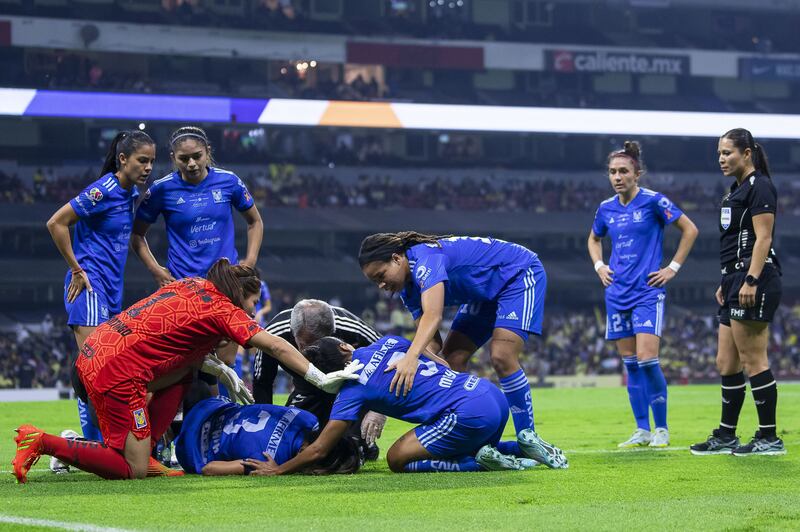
{"type": "Point", "coordinates": [255, 234]}
{"type": "Point", "coordinates": [315, 452]}
{"type": "Point", "coordinates": [595, 245]}
{"type": "Point", "coordinates": [222, 467]}
{"type": "Point", "coordinates": [427, 326]}
{"type": "Point", "coordinates": [762, 224]}
{"type": "Point", "coordinates": [280, 350]}
{"type": "Point", "coordinates": [689, 234]}
{"type": "Point", "coordinates": [142, 250]}
{"type": "Point", "coordinates": [59, 225]}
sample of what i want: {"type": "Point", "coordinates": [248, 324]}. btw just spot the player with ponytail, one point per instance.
{"type": "Point", "coordinates": [103, 217]}
{"type": "Point", "coordinates": [634, 219]}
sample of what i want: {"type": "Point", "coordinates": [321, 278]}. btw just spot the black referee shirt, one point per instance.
{"type": "Point", "coordinates": [347, 327]}
{"type": "Point", "coordinates": [756, 195]}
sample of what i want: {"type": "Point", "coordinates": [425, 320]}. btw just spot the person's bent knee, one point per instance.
{"type": "Point", "coordinates": [505, 363]}
{"type": "Point", "coordinates": [395, 461]}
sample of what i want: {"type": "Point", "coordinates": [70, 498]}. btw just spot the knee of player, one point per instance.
{"type": "Point", "coordinates": [504, 362]}
{"type": "Point", "coordinates": [395, 461]}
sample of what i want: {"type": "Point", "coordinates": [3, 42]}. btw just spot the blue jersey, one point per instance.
{"type": "Point", "coordinates": [198, 218]}
{"type": "Point", "coordinates": [216, 429]}
{"type": "Point", "coordinates": [636, 232]}
{"type": "Point", "coordinates": [100, 243]}
{"type": "Point", "coordinates": [263, 298]}
{"type": "Point", "coordinates": [436, 388]}
{"type": "Point", "coordinates": [473, 269]}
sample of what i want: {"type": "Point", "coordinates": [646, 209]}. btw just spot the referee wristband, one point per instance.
{"type": "Point", "coordinates": [599, 264]}
{"type": "Point", "coordinates": [674, 266]}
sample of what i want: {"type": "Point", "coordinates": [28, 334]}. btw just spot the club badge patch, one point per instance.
{"type": "Point", "coordinates": [139, 418]}
{"type": "Point", "coordinates": [725, 217]}
{"type": "Point", "coordinates": [94, 195]}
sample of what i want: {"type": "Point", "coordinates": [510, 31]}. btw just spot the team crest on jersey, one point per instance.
{"type": "Point", "coordinates": [139, 418]}
{"type": "Point", "coordinates": [637, 216]}
{"type": "Point", "coordinates": [217, 195]}
{"type": "Point", "coordinates": [725, 217]}
{"type": "Point", "coordinates": [94, 195]}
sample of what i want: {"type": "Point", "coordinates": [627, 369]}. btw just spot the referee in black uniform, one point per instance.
{"type": "Point", "coordinates": [308, 321]}
{"type": "Point", "coordinates": [749, 295]}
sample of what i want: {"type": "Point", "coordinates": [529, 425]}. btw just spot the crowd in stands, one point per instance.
{"type": "Point", "coordinates": [286, 186]}
{"type": "Point", "coordinates": [648, 24]}
{"type": "Point", "coordinates": [38, 355]}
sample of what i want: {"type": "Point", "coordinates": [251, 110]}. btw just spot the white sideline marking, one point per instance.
{"type": "Point", "coordinates": [56, 524]}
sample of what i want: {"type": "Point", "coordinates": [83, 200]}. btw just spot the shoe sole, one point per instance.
{"type": "Point", "coordinates": [709, 453]}
{"type": "Point", "coordinates": [631, 445]}
{"type": "Point", "coordinates": [538, 452]}
{"type": "Point", "coordinates": [762, 453]}
{"type": "Point", "coordinates": [659, 446]}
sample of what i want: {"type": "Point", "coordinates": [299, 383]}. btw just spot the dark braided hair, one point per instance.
{"type": "Point", "coordinates": [742, 139]}
{"type": "Point", "coordinates": [381, 246]}
{"type": "Point", "coordinates": [126, 143]}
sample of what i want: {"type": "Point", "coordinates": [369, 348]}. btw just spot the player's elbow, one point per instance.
{"type": "Point", "coordinates": [52, 223]}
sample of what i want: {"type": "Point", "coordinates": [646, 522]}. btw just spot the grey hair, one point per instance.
{"type": "Point", "coordinates": [312, 318]}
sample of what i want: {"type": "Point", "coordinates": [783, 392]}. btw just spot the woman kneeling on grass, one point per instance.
{"type": "Point", "coordinates": [137, 367]}
{"type": "Point", "coordinates": [461, 416]}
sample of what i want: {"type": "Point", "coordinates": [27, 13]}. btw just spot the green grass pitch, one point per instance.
{"type": "Point", "coordinates": [603, 489]}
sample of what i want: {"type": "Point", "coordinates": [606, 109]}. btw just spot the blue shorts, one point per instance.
{"type": "Point", "coordinates": [519, 308]}
{"type": "Point", "coordinates": [645, 317]}
{"type": "Point", "coordinates": [88, 310]}
{"type": "Point", "coordinates": [465, 428]}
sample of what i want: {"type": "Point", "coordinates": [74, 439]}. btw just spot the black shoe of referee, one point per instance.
{"type": "Point", "coordinates": [717, 443]}
{"type": "Point", "coordinates": [760, 445]}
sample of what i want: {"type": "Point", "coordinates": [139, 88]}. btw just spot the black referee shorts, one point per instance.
{"type": "Point", "coordinates": [768, 297]}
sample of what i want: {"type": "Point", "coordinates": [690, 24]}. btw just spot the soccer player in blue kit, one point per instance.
{"type": "Point", "coordinates": [634, 219]}
{"type": "Point", "coordinates": [500, 288]}
{"type": "Point", "coordinates": [103, 217]}
{"type": "Point", "coordinates": [219, 437]}
{"type": "Point", "coordinates": [461, 416]}
{"type": "Point", "coordinates": [196, 202]}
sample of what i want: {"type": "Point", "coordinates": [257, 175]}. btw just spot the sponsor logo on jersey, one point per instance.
{"type": "Point", "coordinates": [147, 195]}
{"type": "Point", "coordinates": [725, 217]}
{"type": "Point", "coordinates": [180, 201]}
{"type": "Point", "coordinates": [217, 195]}
{"type": "Point", "coordinates": [94, 195]}
{"type": "Point", "coordinates": [422, 273]}
{"type": "Point", "coordinates": [375, 360]}
{"type": "Point", "coordinates": [139, 418]}
{"type": "Point", "coordinates": [512, 316]}
{"type": "Point", "coordinates": [648, 323]}
{"type": "Point", "coordinates": [472, 383]}
{"type": "Point", "coordinates": [611, 220]}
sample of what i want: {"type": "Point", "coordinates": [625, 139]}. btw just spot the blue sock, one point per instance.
{"type": "Point", "coordinates": [90, 432]}
{"type": "Point", "coordinates": [656, 390]}
{"type": "Point", "coordinates": [510, 447]}
{"type": "Point", "coordinates": [637, 392]}
{"type": "Point", "coordinates": [464, 464]}
{"type": "Point", "coordinates": [518, 393]}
